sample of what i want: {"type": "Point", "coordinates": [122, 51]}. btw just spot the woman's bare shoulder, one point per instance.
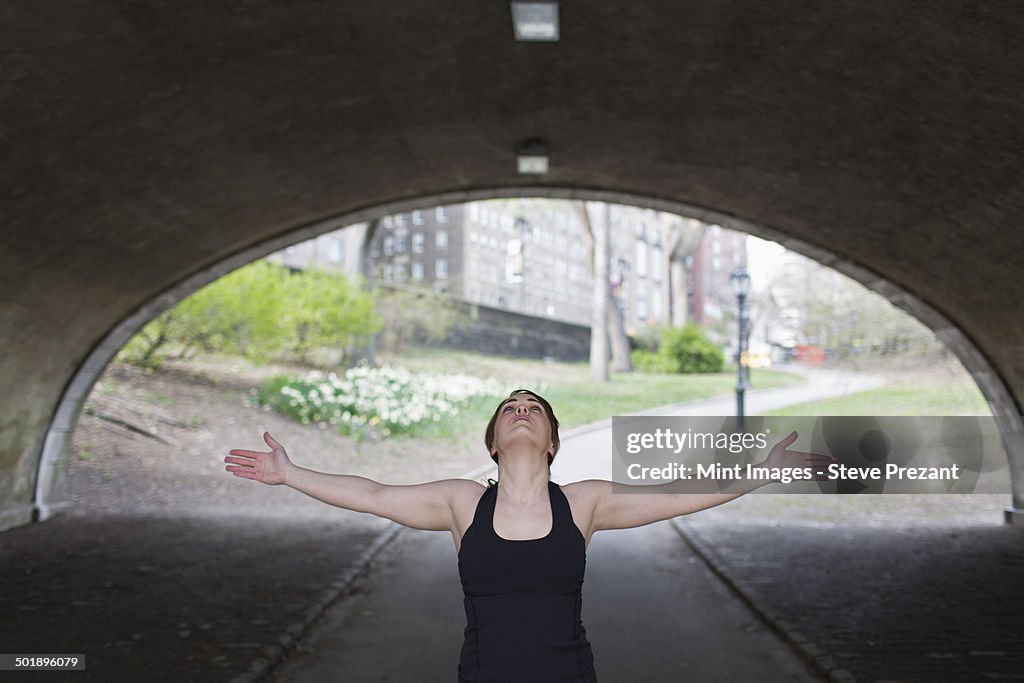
{"type": "Point", "coordinates": [465, 489]}
{"type": "Point", "coordinates": [587, 488]}
{"type": "Point", "coordinates": [466, 495]}
{"type": "Point", "coordinates": [585, 494]}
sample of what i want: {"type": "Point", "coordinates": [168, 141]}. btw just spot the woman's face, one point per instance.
{"type": "Point", "coordinates": [522, 419]}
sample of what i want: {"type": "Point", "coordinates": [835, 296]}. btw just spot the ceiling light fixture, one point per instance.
{"type": "Point", "coordinates": [532, 157]}
{"type": "Point", "coordinates": [535, 21]}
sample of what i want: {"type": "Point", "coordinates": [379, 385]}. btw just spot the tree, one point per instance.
{"type": "Point", "coordinates": [808, 303]}
{"type": "Point", "coordinates": [414, 315]}
{"type": "Point", "coordinates": [369, 277]}
{"type": "Point", "coordinates": [257, 311]}
{"type": "Point", "coordinates": [602, 295]}
{"type": "Point", "coordinates": [325, 310]}
{"type": "Point", "coordinates": [681, 241]}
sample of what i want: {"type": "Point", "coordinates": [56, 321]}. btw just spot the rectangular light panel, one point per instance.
{"type": "Point", "coordinates": [535, 21]}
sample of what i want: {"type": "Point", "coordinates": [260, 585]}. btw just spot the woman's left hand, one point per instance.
{"type": "Point", "coordinates": [781, 457]}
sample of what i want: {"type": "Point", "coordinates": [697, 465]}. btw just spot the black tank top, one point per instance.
{"type": "Point", "coordinates": [523, 601]}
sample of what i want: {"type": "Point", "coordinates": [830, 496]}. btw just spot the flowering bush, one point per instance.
{"type": "Point", "coordinates": [376, 402]}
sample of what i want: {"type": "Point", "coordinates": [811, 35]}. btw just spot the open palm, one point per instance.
{"type": "Point", "coordinates": [268, 468]}
{"type": "Point", "coordinates": [780, 456]}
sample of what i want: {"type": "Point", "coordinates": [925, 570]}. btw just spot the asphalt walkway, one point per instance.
{"type": "Point", "coordinates": [652, 610]}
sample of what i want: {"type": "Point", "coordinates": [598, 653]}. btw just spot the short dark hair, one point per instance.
{"type": "Point", "coordinates": [552, 420]}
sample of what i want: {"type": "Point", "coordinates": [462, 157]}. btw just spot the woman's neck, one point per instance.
{"type": "Point", "coordinates": [523, 478]}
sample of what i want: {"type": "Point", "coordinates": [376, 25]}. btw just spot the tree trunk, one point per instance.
{"type": "Point", "coordinates": [621, 360]}
{"type": "Point", "coordinates": [366, 267]}
{"type": "Point", "coordinates": [599, 324]}
{"type": "Point", "coordinates": [685, 241]}
{"type": "Point", "coordinates": [678, 277]}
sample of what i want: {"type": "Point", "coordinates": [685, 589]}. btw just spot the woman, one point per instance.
{"type": "Point", "coordinates": [521, 541]}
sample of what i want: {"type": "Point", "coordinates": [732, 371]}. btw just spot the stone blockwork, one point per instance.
{"type": "Point", "coordinates": [491, 330]}
{"type": "Point", "coordinates": [144, 143]}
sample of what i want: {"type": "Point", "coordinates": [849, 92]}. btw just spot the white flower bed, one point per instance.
{"type": "Point", "coordinates": [381, 401]}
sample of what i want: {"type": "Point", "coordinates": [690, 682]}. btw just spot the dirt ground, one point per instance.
{"type": "Point", "coordinates": [168, 568]}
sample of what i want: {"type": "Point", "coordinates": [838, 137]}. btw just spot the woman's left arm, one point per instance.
{"type": "Point", "coordinates": [626, 509]}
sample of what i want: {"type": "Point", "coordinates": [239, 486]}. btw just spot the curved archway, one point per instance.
{"type": "Point", "coordinates": [991, 383]}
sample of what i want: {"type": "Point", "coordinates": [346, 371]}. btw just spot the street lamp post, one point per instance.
{"type": "Point", "coordinates": [739, 282]}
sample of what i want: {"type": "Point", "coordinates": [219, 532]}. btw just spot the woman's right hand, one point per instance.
{"type": "Point", "coordinates": [269, 468]}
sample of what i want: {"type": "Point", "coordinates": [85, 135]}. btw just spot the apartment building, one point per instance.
{"type": "Point", "coordinates": [533, 257]}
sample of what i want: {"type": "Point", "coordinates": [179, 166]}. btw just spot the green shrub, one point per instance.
{"type": "Point", "coordinates": [258, 311]}
{"type": "Point", "coordinates": [650, 361]}
{"type": "Point", "coordinates": [682, 350]}
{"type": "Point", "coordinates": [691, 350]}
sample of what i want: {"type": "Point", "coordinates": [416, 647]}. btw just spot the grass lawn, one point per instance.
{"type": "Point", "coordinates": [913, 396]}
{"type": "Point", "coordinates": [576, 399]}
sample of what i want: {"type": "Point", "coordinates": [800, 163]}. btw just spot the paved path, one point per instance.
{"type": "Point", "coordinates": [652, 609]}
{"type": "Point", "coordinates": [586, 453]}
{"type": "Point", "coordinates": [914, 589]}
{"type": "Point", "coordinates": [653, 613]}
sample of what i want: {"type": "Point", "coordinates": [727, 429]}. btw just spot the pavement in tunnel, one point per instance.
{"type": "Point", "coordinates": [877, 588]}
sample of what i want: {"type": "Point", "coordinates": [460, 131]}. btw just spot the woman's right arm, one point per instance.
{"type": "Point", "coordinates": [420, 506]}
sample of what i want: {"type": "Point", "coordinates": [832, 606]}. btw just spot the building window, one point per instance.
{"type": "Point", "coordinates": [441, 269]}
{"type": "Point", "coordinates": [399, 244]}
{"type": "Point", "coordinates": [441, 214]}
{"type": "Point", "coordinates": [417, 217]}
{"type": "Point", "coordinates": [441, 240]}
{"type": "Point", "coordinates": [641, 307]}
{"type": "Point", "coordinates": [418, 242]}
{"type": "Point", "coordinates": [656, 308]}
{"type": "Point", "coordinates": [335, 250]}
{"type": "Point", "coordinates": [716, 263]}
{"type": "Point", "coordinates": [417, 271]}
{"type": "Point", "coordinates": [641, 231]}
{"type": "Point", "coordinates": [388, 273]}
{"type": "Point", "coordinates": [514, 261]}
{"type": "Point", "coordinates": [399, 220]}
{"type": "Point", "coordinates": [656, 263]}
{"type": "Point", "coordinates": [641, 259]}
{"type": "Point", "coordinates": [400, 274]}
{"type": "Point", "coordinates": [389, 246]}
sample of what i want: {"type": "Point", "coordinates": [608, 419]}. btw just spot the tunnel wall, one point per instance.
{"type": "Point", "coordinates": [144, 144]}
{"type": "Point", "coordinates": [41, 492]}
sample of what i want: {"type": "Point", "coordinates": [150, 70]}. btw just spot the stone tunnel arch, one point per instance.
{"type": "Point", "coordinates": [1007, 413]}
